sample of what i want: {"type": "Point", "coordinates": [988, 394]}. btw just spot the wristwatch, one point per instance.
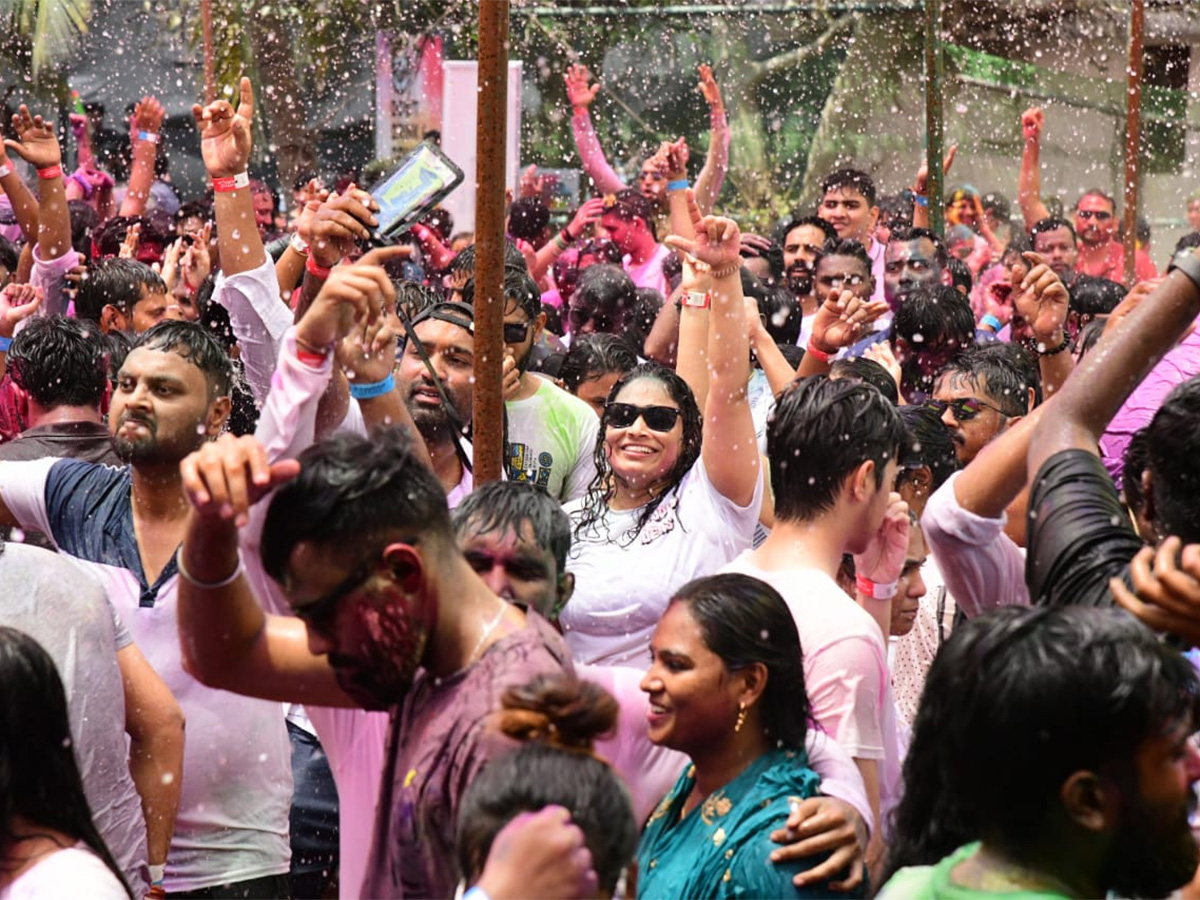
{"type": "Point", "coordinates": [1189, 264]}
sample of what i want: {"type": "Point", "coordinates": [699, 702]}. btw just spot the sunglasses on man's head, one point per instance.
{"type": "Point", "coordinates": [965, 408]}
{"type": "Point", "coordinates": [657, 418]}
{"type": "Point", "coordinates": [515, 332]}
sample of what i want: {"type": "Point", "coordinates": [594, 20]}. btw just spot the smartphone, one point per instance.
{"type": "Point", "coordinates": [419, 183]}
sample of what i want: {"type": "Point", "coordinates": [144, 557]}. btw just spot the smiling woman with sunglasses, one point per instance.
{"type": "Point", "coordinates": [677, 492]}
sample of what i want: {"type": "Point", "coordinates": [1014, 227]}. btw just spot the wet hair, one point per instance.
{"type": "Point", "coordinates": [853, 249]}
{"type": "Point", "coordinates": [39, 777]}
{"type": "Point", "coordinates": [934, 316]}
{"type": "Point", "coordinates": [440, 220]}
{"type": "Point", "coordinates": [1005, 372]}
{"type": "Point", "coordinates": [9, 255]}
{"type": "Point", "coordinates": [117, 345]}
{"type": "Point", "coordinates": [115, 282]}
{"type": "Point", "coordinates": [528, 218]}
{"type": "Point", "coordinates": [859, 368]}
{"type": "Point", "coordinates": [59, 362]}
{"type": "Point", "coordinates": [1019, 243]}
{"type": "Point", "coordinates": [84, 222]}
{"type": "Point", "coordinates": [415, 297]}
{"type": "Point", "coordinates": [896, 210]}
{"type": "Point", "coordinates": [1051, 223]}
{"type": "Point", "coordinates": [743, 621]}
{"type": "Point", "coordinates": [789, 225]}
{"type": "Point", "coordinates": [593, 356]}
{"type": "Point", "coordinates": [628, 205]}
{"type": "Point", "coordinates": [107, 238]}
{"type": "Point", "coordinates": [927, 444]}
{"type": "Point", "coordinates": [602, 490]}
{"type": "Point", "coordinates": [961, 278]}
{"type": "Point", "coordinates": [194, 343]}
{"type": "Point", "coordinates": [503, 505]}
{"type": "Point", "coordinates": [465, 260]}
{"type": "Point", "coordinates": [356, 492]}
{"type": "Point", "coordinates": [780, 313]}
{"type": "Point", "coordinates": [1137, 455]}
{"type": "Point", "coordinates": [997, 204]}
{"type": "Point", "coordinates": [603, 249]}
{"type": "Point", "coordinates": [557, 719]}
{"type": "Point", "coordinates": [1091, 296]}
{"type": "Point", "coordinates": [1174, 462]}
{"type": "Point", "coordinates": [1089, 336]}
{"type": "Point", "coordinates": [194, 209]}
{"type": "Point", "coordinates": [908, 235]}
{"type": "Point", "coordinates": [849, 180]}
{"type": "Point", "coordinates": [608, 292]}
{"type": "Point", "coordinates": [1015, 702]}
{"type": "Point", "coordinates": [647, 303]}
{"type": "Point", "coordinates": [820, 432]}
{"type": "Point", "coordinates": [519, 288]}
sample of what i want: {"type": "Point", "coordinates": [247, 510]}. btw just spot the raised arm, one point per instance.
{"type": "Point", "coordinates": [155, 725]}
{"type": "Point", "coordinates": [1106, 377]}
{"type": "Point", "coordinates": [729, 448]}
{"type": "Point", "coordinates": [716, 161]}
{"type": "Point", "coordinates": [228, 642]}
{"type": "Point", "coordinates": [1042, 301]}
{"type": "Point", "coordinates": [1029, 183]}
{"type": "Point", "coordinates": [591, 154]}
{"type": "Point", "coordinates": [589, 213]}
{"type": "Point", "coordinates": [24, 204]}
{"type": "Point", "coordinates": [38, 146]}
{"type": "Point", "coordinates": [921, 188]}
{"type": "Point", "coordinates": [144, 127]}
{"type": "Point", "coordinates": [838, 323]}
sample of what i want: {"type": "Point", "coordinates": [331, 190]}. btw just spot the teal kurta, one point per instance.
{"type": "Point", "coordinates": [721, 849]}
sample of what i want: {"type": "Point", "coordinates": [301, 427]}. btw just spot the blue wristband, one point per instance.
{"type": "Point", "coordinates": [680, 185]}
{"type": "Point", "coordinates": [5, 343]}
{"type": "Point", "coordinates": [919, 200]}
{"type": "Point", "coordinates": [150, 136]}
{"type": "Point", "coordinates": [476, 893]}
{"type": "Point", "coordinates": [374, 389]}
{"type": "Point", "coordinates": [989, 319]}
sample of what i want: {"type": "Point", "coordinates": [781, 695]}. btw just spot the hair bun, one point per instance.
{"type": "Point", "coordinates": [559, 710]}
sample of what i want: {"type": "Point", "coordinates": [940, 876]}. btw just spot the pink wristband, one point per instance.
{"type": "Point", "coordinates": [315, 269]}
{"type": "Point", "coordinates": [49, 172]}
{"type": "Point", "coordinates": [874, 589]}
{"type": "Point", "coordinates": [231, 183]}
{"type": "Point", "coordinates": [819, 354]}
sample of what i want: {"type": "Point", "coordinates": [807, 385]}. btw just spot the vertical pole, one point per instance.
{"type": "Point", "coordinates": [934, 136]}
{"type": "Point", "coordinates": [1133, 134]}
{"type": "Point", "coordinates": [210, 78]}
{"type": "Point", "coordinates": [489, 239]}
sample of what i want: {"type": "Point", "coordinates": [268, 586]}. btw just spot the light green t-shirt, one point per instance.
{"type": "Point", "coordinates": [551, 441]}
{"type": "Point", "coordinates": [934, 883]}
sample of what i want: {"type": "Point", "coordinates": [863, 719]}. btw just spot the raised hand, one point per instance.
{"type": "Point", "coordinates": [225, 133]}
{"type": "Point", "coordinates": [340, 223]}
{"type": "Point", "coordinates": [709, 88]}
{"type": "Point", "coordinates": [677, 156]}
{"type": "Point", "coordinates": [147, 116]}
{"type": "Point", "coordinates": [170, 262]}
{"type": "Point", "coordinates": [1033, 120]}
{"type": "Point", "coordinates": [17, 303]}
{"type": "Point", "coordinates": [579, 93]}
{"type": "Point", "coordinates": [1040, 298]}
{"type": "Point", "coordinates": [883, 560]}
{"type": "Point", "coordinates": [196, 262]}
{"type": "Point", "coordinates": [1166, 588]}
{"type": "Point", "coordinates": [591, 212]}
{"type": "Point", "coordinates": [997, 301]}
{"type": "Point", "coordinates": [225, 477]}
{"type": "Point", "coordinates": [353, 295]}
{"type": "Point", "coordinates": [717, 240]}
{"type": "Point", "coordinates": [37, 142]}
{"type": "Point", "coordinates": [841, 320]}
{"type": "Point", "coordinates": [531, 183]}
{"type": "Point", "coordinates": [368, 353]}
{"type": "Point", "coordinates": [129, 246]}
{"type": "Point", "coordinates": [921, 184]}
{"type": "Point", "coordinates": [79, 124]}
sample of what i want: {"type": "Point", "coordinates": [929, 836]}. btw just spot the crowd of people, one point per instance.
{"type": "Point", "coordinates": [847, 560]}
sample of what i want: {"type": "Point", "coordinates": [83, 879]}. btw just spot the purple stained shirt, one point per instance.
{"type": "Point", "coordinates": [1176, 367]}
{"type": "Point", "coordinates": [437, 744]}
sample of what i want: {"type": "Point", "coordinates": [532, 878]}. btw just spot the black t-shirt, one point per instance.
{"type": "Point", "coordinates": [1080, 534]}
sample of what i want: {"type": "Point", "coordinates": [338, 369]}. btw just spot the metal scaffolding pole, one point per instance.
{"type": "Point", "coordinates": [934, 136]}
{"type": "Point", "coordinates": [1133, 134]}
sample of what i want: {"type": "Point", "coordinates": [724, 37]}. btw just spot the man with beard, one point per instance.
{"type": "Point", "coordinates": [551, 433]}
{"type": "Point", "coordinates": [802, 240]}
{"type": "Point", "coordinates": [387, 614]}
{"type": "Point", "coordinates": [124, 526]}
{"type": "Point", "coordinates": [1054, 240]}
{"type": "Point", "coordinates": [1100, 254]}
{"type": "Point", "coordinates": [1051, 748]}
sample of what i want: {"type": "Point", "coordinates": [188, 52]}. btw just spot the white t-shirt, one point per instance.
{"type": "Point", "coordinates": [237, 777]}
{"type": "Point", "coordinates": [552, 441]}
{"type": "Point", "coordinates": [72, 872]}
{"type": "Point", "coordinates": [650, 273]}
{"type": "Point", "coordinates": [623, 585]}
{"type": "Point", "coordinates": [845, 661]}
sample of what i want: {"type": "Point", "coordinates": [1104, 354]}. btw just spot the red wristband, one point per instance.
{"type": "Point", "coordinates": [231, 183]}
{"type": "Point", "coordinates": [819, 354]}
{"type": "Point", "coordinates": [50, 172]}
{"type": "Point", "coordinates": [874, 589]}
{"type": "Point", "coordinates": [316, 360]}
{"type": "Point", "coordinates": [315, 269]}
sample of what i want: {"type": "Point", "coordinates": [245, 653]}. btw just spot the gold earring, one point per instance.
{"type": "Point", "coordinates": [741, 718]}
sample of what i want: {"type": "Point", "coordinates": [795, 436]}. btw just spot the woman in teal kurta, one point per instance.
{"type": "Point", "coordinates": [726, 687]}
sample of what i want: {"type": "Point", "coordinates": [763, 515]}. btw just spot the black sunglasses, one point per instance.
{"type": "Point", "coordinates": [515, 332]}
{"type": "Point", "coordinates": [1097, 214]}
{"type": "Point", "coordinates": [965, 408]}
{"type": "Point", "coordinates": [657, 418]}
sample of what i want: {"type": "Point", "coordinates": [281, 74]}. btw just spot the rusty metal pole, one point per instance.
{"type": "Point", "coordinates": [1133, 134]}
{"type": "Point", "coordinates": [210, 78]}
{"type": "Point", "coordinates": [934, 122]}
{"type": "Point", "coordinates": [492, 116]}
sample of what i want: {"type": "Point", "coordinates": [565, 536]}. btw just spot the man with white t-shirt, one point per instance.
{"type": "Point", "coordinates": [551, 433]}
{"type": "Point", "coordinates": [833, 449]}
